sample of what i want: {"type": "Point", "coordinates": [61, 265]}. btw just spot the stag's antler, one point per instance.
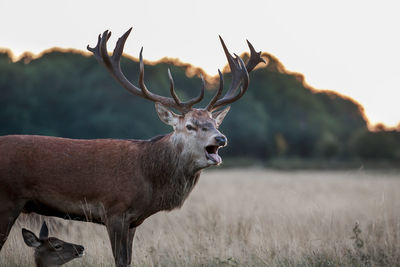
{"type": "Point", "coordinates": [240, 73]}
{"type": "Point", "coordinates": [113, 66]}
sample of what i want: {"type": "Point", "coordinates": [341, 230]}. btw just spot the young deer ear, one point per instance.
{"type": "Point", "coordinates": [166, 115]}
{"type": "Point", "coordinates": [220, 115]}
{"type": "Point", "coordinates": [44, 231]}
{"type": "Point", "coordinates": [30, 238]}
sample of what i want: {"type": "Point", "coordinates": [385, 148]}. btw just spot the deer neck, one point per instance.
{"type": "Point", "coordinates": [40, 263]}
{"type": "Point", "coordinates": [172, 172]}
{"type": "Point", "coordinates": [167, 155]}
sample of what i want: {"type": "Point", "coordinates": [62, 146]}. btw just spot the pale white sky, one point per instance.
{"type": "Point", "coordinates": [352, 47]}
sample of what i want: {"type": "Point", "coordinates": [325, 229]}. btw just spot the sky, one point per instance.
{"type": "Point", "coordinates": [352, 47]}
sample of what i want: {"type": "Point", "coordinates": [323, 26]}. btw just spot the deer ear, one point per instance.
{"type": "Point", "coordinates": [44, 231]}
{"type": "Point", "coordinates": [220, 115]}
{"type": "Point", "coordinates": [166, 115]}
{"type": "Point", "coordinates": [30, 238]}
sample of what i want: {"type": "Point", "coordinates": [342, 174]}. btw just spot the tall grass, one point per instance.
{"type": "Point", "coordinates": [253, 217]}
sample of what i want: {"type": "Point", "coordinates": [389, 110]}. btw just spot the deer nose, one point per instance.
{"type": "Point", "coordinates": [221, 140]}
{"type": "Point", "coordinates": [80, 248]}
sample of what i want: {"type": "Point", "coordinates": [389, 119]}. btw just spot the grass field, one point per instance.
{"type": "Point", "coordinates": [253, 217]}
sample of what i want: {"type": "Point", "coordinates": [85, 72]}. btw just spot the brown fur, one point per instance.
{"type": "Point", "coordinates": [41, 169]}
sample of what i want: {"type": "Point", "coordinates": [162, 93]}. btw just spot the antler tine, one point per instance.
{"type": "Point", "coordinates": [142, 86]}
{"type": "Point", "coordinates": [234, 65]}
{"type": "Point", "coordinates": [255, 58]}
{"type": "Point", "coordinates": [96, 50]}
{"type": "Point", "coordinates": [219, 92]}
{"type": "Point", "coordinates": [103, 48]}
{"type": "Point", "coordinates": [119, 47]}
{"type": "Point", "coordinates": [172, 90]}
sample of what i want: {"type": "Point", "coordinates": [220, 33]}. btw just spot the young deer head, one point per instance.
{"type": "Point", "coordinates": [51, 251]}
{"type": "Point", "coordinates": [195, 130]}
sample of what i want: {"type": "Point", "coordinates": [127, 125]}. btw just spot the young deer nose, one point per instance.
{"type": "Point", "coordinates": [221, 140]}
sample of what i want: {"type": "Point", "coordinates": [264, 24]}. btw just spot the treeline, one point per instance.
{"type": "Point", "coordinates": [70, 95]}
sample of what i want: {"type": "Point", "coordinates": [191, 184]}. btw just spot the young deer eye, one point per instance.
{"type": "Point", "coordinates": [58, 247]}
{"type": "Point", "coordinates": [190, 127]}
{"type": "Point", "coordinates": [204, 129]}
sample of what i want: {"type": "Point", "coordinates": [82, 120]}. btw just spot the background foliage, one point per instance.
{"type": "Point", "coordinates": [70, 95]}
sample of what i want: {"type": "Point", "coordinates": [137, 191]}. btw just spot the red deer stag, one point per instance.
{"type": "Point", "coordinates": [119, 183]}
{"type": "Point", "coordinates": [51, 251]}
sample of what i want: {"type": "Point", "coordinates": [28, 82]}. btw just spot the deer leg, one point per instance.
{"type": "Point", "coordinates": [118, 232]}
{"type": "Point", "coordinates": [130, 244]}
{"type": "Point", "coordinates": [9, 212]}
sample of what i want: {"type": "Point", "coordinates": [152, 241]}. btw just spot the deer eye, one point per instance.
{"type": "Point", "coordinates": [58, 247]}
{"type": "Point", "coordinates": [190, 127]}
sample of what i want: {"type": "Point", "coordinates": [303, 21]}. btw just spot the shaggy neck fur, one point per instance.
{"type": "Point", "coordinates": [172, 173]}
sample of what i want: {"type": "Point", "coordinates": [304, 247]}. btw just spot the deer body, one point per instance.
{"type": "Point", "coordinates": [118, 183]}
{"type": "Point", "coordinates": [95, 179]}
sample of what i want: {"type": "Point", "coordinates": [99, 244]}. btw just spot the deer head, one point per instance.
{"type": "Point", "coordinates": [195, 129]}
{"type": "Point", "coordinates": [51, 251]}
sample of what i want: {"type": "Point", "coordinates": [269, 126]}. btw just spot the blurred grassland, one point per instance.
{"type": "Point", "coordinates": [253, 217]}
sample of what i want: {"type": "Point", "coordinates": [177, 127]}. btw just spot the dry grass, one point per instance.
{"type": "Point", "coordinates": [254, 218]}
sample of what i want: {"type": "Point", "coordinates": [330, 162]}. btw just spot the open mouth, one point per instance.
{"type": "Point", "coordinates": [212, 154]}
